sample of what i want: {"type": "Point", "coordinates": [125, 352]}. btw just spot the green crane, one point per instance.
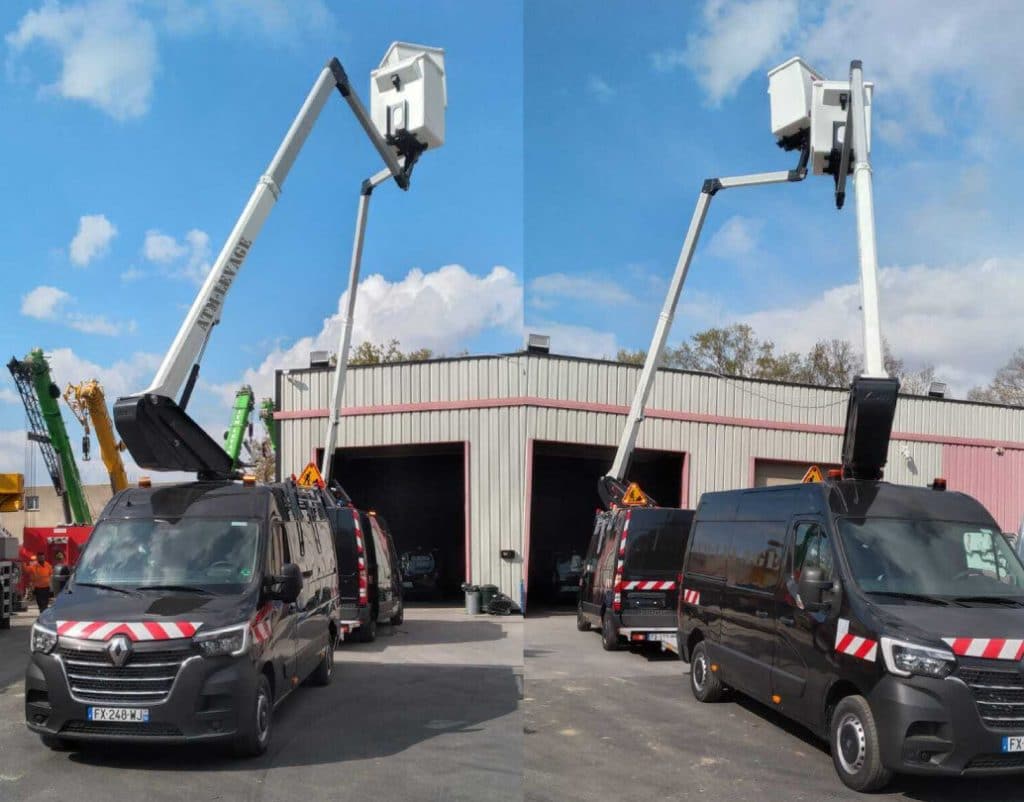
{"type": "Point", "coordinates": [245, 401]}
{"type": "Point", "coordinates": [39, 394]}
{"type": "Point", "coordinates": [267, 416]}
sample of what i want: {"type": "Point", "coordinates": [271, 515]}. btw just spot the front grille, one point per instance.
{"type": "Point", "coordinates": [119, 728]}
{"type": "Point", "coordinates": [145, 679]}
{"type": "Point", "coordinates": [997, 762]}
{"type": "Point", "coordinates": [999, 696]}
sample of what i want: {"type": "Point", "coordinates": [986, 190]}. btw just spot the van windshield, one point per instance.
{"type": "Point", "coordinates": [944, 559]}
{"type": "Point", "coordinates": [656, 542]}
{"type": "Point", "coordinates": [216, 554]}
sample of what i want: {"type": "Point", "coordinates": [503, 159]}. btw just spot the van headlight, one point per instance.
{"type": "Point", "coordinates": [231, 641]}
{"type": "Point", "coordinates": [904, 659]}
{"type": "Point", "coordinates": [43, 639]}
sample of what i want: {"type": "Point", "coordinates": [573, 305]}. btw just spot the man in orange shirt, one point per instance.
{"type": "Point", "coordinates": [39, 574]}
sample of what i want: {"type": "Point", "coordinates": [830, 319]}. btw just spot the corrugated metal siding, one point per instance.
{"type": "Point", "coordinates": [995, 480]}
{"type": "Point", "coordinates": [721, 456]}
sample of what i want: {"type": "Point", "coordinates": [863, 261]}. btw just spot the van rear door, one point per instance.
{"type": "Point", "coordinates": [653, 561]}
{"type": "Point", "coordinates": [348, 565]}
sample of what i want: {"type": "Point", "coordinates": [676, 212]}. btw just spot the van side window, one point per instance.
{"type": "Point", "coordinates": [275, 549]}
{"type": "Point", "coordinates": [710, 550]}
{"type": "Point", "coordinates": [756, 555]}
{"type": "Point", "coordinates": [811, 550]}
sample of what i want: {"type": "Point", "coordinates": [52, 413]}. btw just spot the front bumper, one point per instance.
{"type": "Point", "coordinates": [206, 702]}
{"type": "Point", "coordinates": [932, 726]}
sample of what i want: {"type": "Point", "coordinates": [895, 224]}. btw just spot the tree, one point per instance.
{"type": "Point", "coordinates": [830, 363]}
{"type": "Point", "coordinates": [1008, 385]}
{"type": "Point", "coordinates": [631, 357]}
{"type": "Point", "coordinates": [264, 460]}
{"type": "Point", "coordinates": [733, 351]}
{"type": "Point", "coordinates": [368, 353]}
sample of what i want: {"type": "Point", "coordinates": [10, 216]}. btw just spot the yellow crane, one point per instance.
{"type": "Point", "coordinates": [87, 402]}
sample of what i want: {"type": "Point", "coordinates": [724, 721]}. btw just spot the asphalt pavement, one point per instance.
{"type": "Point", "coordinates": [430, 711]}
{"type": "Point", "coordinates": [625, 726]}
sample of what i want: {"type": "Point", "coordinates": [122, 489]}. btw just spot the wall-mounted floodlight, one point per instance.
{"type": "Point", "coordinates": [937, 390]}
{"type": "Point", "coordinates": [538, 344]}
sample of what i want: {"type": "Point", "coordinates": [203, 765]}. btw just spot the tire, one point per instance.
{"type": "Point", "coordinates": [704, 682]}
{"type": "Point", "coordinates": [367, 633]}
{"type": "Point", "coordinates": [856, 752]}
{"type": "Point", "coordinates": [324, 670]}
{"type": "Point", "coordinates": [55, 743]}
{"type": "Point", "coordinates": [582, 624]}
{"type": "Point", "coordinates": [254, 734]}
{"type": "Point", "coordinates": [398, 618]}
{"type": "Point", "coordinates": [609, 633]}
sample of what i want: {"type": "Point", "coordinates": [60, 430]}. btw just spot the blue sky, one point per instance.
{"type": "Point", "coordinates": [629, 108]}
{"type": "Point", "coordinates": [577, 139]}
{"type": "Point", "coordinates": [135, 132]}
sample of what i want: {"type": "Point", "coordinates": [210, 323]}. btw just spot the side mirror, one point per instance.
{"type": "Point", "coordinates": [286, 586]}
{"type": "Point", "coordinates": [59, 578]}
{"type": "Point", "coordinates": [812, 587]}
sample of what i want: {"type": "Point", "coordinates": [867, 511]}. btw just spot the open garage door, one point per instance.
{"type": "Point", "coordinates": [563, 499]}
{"type": "Point", "coordinates": [421, 492]}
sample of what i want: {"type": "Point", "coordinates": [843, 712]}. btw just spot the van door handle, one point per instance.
{"type": "Point", "coordinates": [762, 613]}
{"type": "Point", "coordinates": [786, 620]}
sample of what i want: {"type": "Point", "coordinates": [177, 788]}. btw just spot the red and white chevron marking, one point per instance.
{"type": "Point", "coordinates": [988, 648]}
{"type": "Point", "coordinates": [260, 624]}
{"type": "Point", "coordinates": [854, 645]}
{"type": "Point", "coordinates": [134, 630]}
{"type": "Point", "coordinates": [634, 584]}
{"type": "Point", "coordinates": [691, 596]}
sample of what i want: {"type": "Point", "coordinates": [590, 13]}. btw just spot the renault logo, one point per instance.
{"type": "Point", "coordinates": [119, 649]}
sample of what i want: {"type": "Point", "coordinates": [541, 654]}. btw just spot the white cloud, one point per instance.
{"type": "Point", "coordinates": [547, 289]}
{"type": "Point", "coordinates": [8, 396]}
{"type": "Point", "coordinates": [953, 317]}
{"type": "Point", "coordinates": [48, 303]}
{"type": "Point", "coordinates": [736, 239]}
{"type": "Point", "coordinates": [600, 88]}
{"type": "Point", "coordinates": [107, 51]}
{"type": "Point", "coordinates": [572, 340]}
{"type": "Point", "coordinates": [92, 239]}
{"type": "Point", "coordinates": [43, 302]}
{"type": "Point", "coordinates": [442, 310]}
{"type": "Point", "coordinates": [736, 38]}
{"type": "Point", "coordinates": [132, 274]}
{"type": "Point", "coordinates": [189, 259]}
{"type": "Point", "coordinates": [971, 54]}
{"type": "Point", "coordinates": [162, 248]}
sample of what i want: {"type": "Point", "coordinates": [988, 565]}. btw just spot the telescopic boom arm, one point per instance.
{"type": "Point", "coordinates": [153, 425]}
{"type": "Point", "coordinates": [613, 485]}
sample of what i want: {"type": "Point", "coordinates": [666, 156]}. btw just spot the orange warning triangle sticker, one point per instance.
{"type": "Point", "coordinates": [311, 477]}
{"type": "Point", "coordinates": [634, 496]}
{"type": "Point", "coordinates": [813, 475]}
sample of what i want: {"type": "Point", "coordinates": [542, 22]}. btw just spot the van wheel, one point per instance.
{"type": "Point", "coordinates": [55, 743]}
{"type": "Point", "coordinates": [704, 682]}
{"type": "Point", "coordinates": [324, 670]}
{"type": "Point", "coordinates": [856, 754]}
{"type": "Point", "coordinates": [398, 618]}
{"type": "Point", "coordinates": [367, 633]}
{"type": "Point", "coordinates": [582, 624]}
{"type": "Point", "coordinates": [254, 734]}
{"type": "Point", "coordinates": [609, 633]}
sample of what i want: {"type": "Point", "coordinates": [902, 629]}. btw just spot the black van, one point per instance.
{"type": "Point", "coordinates": [193, 611]}
{"type": "Point", "coordinates": [887, 619]}
{"type": "Point", "coordinates": [370, 579]}
{"type": "Point", "coordinates": [630, 576]}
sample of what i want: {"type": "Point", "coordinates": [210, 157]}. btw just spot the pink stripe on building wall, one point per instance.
{"type": "Point", "coordinates": [659, 414]}
{"type": "Point", "coordinates": [994, 480]}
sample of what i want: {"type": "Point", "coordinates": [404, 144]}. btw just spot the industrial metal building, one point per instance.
{"type": "Point", "coordinates": [476, 455]}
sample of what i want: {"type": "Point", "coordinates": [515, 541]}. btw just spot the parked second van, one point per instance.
{"type": "Point", "coordinates": [630, 577]}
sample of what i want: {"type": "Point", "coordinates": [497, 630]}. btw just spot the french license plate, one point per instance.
{"type": "Point", "coordinates": [133, 714]}
{"type": "Point", "coordinates": [661, 636]}
{"type": "Point", "coordinates": [1013, 743]}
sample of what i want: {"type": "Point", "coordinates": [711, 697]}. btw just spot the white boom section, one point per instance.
{"type": "Point", "coordinates": [345, 340]}
{"type": "Point", "coordinates": [874, 363]}
{"type": "Point", "coordinates": [661, 331]}
{"type": "Point", "coordinates": [205, 313]}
